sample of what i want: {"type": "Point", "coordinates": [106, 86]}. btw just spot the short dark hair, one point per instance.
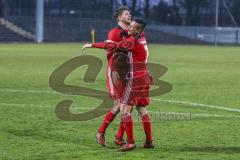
{"type": "Point", "coordinates": [120, 10]}
{"type": "Point", "coordinates": [141, 23]}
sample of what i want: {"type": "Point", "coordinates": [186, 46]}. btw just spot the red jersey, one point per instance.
{"type": "Point", "coordinates": [138, 47]}
{"type": "Point", "coordinates": [117, 34]}
{"type": "Point", "coordinates": [137, 51]}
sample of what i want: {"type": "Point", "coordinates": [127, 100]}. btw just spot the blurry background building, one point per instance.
{"type": "Point", "coordinates": [170, 21]}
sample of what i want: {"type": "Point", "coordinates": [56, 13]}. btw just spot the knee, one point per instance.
{"type": "Point", "coordinates": [125, 109]}
{"type": "Point", "coordinates": [142, 110]}
{"type": "Point", "coordinates": [116, 109]}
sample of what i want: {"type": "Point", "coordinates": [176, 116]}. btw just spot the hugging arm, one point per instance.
{"type": "Point", "coordinates": [109, 45]}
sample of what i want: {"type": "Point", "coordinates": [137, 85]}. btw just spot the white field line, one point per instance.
{"type": "Point", "coordinates": [27, 91]}
{"type": "Point", "coordinates": [156, 112]}
{"type": "Point", "coordinates": [40, 92]}
{"type": "Point", "coordinates": [191, 104]}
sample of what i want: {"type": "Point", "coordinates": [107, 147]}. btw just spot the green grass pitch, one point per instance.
{"type": "Point", "coordinates": [206, 81]}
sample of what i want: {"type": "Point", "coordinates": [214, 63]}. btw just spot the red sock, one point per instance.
{"type": "Point", "coordinates": [147, 126]}
{"type": "Point", "coordinates": [120, 130]}
{"type": "Point", "coordinates": [108, 119]}
{"type": "Point", "coordinates": [128, 126]}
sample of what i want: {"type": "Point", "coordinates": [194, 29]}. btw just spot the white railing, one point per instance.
{"type": "Point", "coordinates": [14, 28]}
{"type": "Point", "coordinates": [224, 35]}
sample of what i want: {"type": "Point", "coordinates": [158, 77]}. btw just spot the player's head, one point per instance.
{"type": "Point", "coordinates": [123, 14]}
{"type": "Point", "coordinates": [137, 26]}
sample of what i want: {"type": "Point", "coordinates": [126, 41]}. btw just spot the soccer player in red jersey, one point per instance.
{"type": "Point", "coordinates": [117, 34]}
{"type": "Point", "coordinates": [136, 91]}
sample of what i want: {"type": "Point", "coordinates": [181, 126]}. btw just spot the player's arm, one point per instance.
{"type": "Point", "coordinates": [125, 45]}
{"type": "Point", "coordinates": [107, 44]}
{"type": "Point", "coordinates": [112, 37]}
{"type": "Point", "coordinates": [101, 45]}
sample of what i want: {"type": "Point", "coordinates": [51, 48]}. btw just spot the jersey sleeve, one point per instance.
{"type": "Point", "coordinates": [125, 45]}
{"type": "Point", "coordinates": [109, 46]}
{"type": "Point", "coordinates": [99, 45]}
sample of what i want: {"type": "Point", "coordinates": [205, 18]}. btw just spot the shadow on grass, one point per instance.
{"type": "Point", "coordinates": [227, 150]}
{"type": "Point", "coordinates": [76, 140]}
{"type": "Point", "coordinates": [50, 136]}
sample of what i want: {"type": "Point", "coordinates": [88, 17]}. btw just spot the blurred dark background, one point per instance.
{"type": "Point", "coordinates": [173, 12]}
{"type": "Point", "coordinates": [69, 16]}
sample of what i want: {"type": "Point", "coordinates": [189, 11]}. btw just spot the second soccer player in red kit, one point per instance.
{"type": "Point", "coordinates": [117, 34]}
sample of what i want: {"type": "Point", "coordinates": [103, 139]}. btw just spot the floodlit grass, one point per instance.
{"type": "Point", "coordinates": [29, 128]}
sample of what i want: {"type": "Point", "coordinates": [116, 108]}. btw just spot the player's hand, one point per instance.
{"type": "Point", "coordinates": [87, 45]}
{"type": "Point", "coordinates": [108, 41]}
{"type": "Point", "coordinates": [115, 77]}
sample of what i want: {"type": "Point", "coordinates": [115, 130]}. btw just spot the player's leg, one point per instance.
{"type": "Point", "coordinates": [119, 136]}
{"type": "Point", "coordinates": [126, 119]}
{"type": "Point", "coordinates": [109, 117]}
{"type": "Point", "coordinates": [147, 125]}
{"type": "Point", "coordinates": [120, 91]}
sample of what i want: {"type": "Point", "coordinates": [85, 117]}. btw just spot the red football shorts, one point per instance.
{"type": "Point", "coordinates": [117, 63]}
{"type": "Point", "coordinates": [136, 91]}
{"type": "Point", "coordinates": [115, 91]}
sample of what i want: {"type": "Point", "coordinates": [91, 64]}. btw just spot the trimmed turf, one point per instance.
{"type": "Point", "coordinates": [29, 128]}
